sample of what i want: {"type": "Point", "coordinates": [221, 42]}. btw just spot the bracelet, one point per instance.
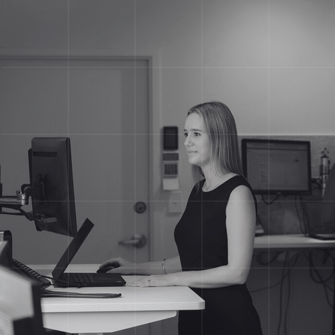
{"type": "Point", "coordinates": [163, 266]}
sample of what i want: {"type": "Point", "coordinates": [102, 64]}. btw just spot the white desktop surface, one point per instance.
{"type": "Point", "coordinates": [136, 307]}
{"type": "Point", "coordinates": [139, 306]}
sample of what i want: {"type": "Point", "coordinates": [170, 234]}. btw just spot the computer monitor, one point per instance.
{"type": "Point", "coordinates": [51, 182]}
{"type": "Point", "coordinates": [277, 166]}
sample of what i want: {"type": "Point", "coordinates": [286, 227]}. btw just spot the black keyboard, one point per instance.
{"type": "Point", "coordinates": [30, 273]}
{"type": "Point", "coordinates": [78, 278]}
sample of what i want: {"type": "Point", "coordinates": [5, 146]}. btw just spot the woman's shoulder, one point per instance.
{"type": "Point", "coordinates": [239, 180]}
{"type": "Point", "coordinates": [239, 187]}
{"type": "Point", "coordinates": [242, 191]}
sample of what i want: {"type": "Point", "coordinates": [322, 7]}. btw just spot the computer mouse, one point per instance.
{"type": "Point", "coordinates": [108, 267]}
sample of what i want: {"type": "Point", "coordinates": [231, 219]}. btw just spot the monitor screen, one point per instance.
{"type": "Point", "coordinates": [51, 181]}
{"type": "Point", "coordinates": [277, 166]}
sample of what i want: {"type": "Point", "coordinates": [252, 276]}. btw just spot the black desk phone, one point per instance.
{"type": "Point", "coordinates": [30, 273]}
{"type": "Point", "coordinates": [6, 260]}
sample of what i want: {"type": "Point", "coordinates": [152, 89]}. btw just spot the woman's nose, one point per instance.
{"type": "Point", "coordinates": [187, 141]}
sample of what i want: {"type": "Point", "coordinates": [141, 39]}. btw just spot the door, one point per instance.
{"type": "Point", "coordinates": [102, 104]}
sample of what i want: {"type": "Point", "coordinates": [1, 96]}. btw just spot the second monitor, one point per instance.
{"type": "Point", "coordinates": [277, 166]}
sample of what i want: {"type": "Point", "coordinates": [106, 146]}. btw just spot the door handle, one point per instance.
{"type": "Point", "coordinates": [138, 241]}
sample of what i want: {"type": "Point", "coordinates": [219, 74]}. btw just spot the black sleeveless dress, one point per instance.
{"type": "Point", "coordinates": [201, 238]}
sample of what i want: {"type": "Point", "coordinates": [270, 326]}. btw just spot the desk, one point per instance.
{"type": "Point", "coordinates": [290, 242]}
{"type": "Point", "coordinates": [137, 306]}
{"type": "Point", "coordinates": [140, 306]}
{"type": "Point", "coordinates": [294, 242]}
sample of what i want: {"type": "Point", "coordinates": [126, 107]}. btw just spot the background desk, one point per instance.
{"type": "Point", "coordinates": [288, 242]}
{"type": "Point", "coordinates": [268, 302]}
{"type": "Point", "coordinates": [136, 307]}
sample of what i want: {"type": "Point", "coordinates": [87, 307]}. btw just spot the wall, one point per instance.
{"type": "Point", "coordinates": [270, 61]}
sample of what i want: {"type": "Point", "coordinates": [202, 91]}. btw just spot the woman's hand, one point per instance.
{"type": "Point", "coordinates": [153, 281]}
{"type": "Point", "coordinates": [119, 265]}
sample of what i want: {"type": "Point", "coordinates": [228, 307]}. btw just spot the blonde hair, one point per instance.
{"type": "Point", "coordinates": [222, 133]}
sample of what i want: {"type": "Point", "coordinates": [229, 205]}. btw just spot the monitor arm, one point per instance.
{"type": "Point", "coordinates": [16, 202]}
{"type": "Point", "coordinates": [22, 199]}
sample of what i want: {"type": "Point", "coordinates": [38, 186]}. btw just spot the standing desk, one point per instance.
{"type": "Point", "coordinates": [137, 306]}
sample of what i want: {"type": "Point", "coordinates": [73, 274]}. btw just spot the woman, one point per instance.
{"type": "Point", "coordinates": [215, 234]}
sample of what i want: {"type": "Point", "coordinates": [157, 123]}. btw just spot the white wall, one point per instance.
{"type": "Point", "coordinates": [271, 61]}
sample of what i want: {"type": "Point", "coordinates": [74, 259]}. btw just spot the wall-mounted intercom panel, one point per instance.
{"type": "Point", "coordinates": [170, 138]}
{"type": "Point", "coordinates": [170, 158]}
{"type": "Point", "coordinates": [170, 164]}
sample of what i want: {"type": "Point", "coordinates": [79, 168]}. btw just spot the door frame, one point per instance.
{"type": "Point", "coordinates": [154, 129]}
{"type": "Point", "coordinates": [148, 60]}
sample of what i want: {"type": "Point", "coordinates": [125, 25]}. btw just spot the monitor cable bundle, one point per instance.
{"type": "Point", "coordinates": [288, 266]}
{"type": "Point", "coordinates": [316, 275]}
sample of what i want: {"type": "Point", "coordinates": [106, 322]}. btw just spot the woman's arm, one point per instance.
{"type": "Point", "coordinates": [241, 221]}
{"type": "Point", "coordinates": [169, 265]}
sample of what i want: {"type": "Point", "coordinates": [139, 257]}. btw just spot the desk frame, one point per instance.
{"type": "Point", "coordinates": [139, 306]}
{"type": "Point", "coordinates": [136, 307]}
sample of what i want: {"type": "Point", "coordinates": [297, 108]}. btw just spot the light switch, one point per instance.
{"type": "Point", "coordinates": [175, 202]}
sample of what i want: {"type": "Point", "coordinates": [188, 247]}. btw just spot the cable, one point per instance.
{"type": "Point", "coordinates": [285, 273]}
{"type": "Point", "coordinates": [260, 261]}
{"type": "Point", "coordinates": [56, 294]}
{"type": "Point", "coordinates": [302, 220]}
{"type": "Point", "coordinates": [280, 281]}
{"type": "Point", "coordinates": [272, 201]}
{"type": "Point", "coordinates": [259, 219]}
{"type": "Point", "coordinates": [316, 181]}
{"type": "Point", "coordinates": [312, 268]}
{"type": "Point", "coordinates": [288, 300]}
{"type": "Point", "coordinates": [63, 281]}
{"type": "Point", "coordinates": [313, 271]}
{"type": "Point", "coordinates": [329, 255]}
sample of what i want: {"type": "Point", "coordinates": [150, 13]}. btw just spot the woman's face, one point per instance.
{"type": "Point", "coordinates": [196, 141]}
